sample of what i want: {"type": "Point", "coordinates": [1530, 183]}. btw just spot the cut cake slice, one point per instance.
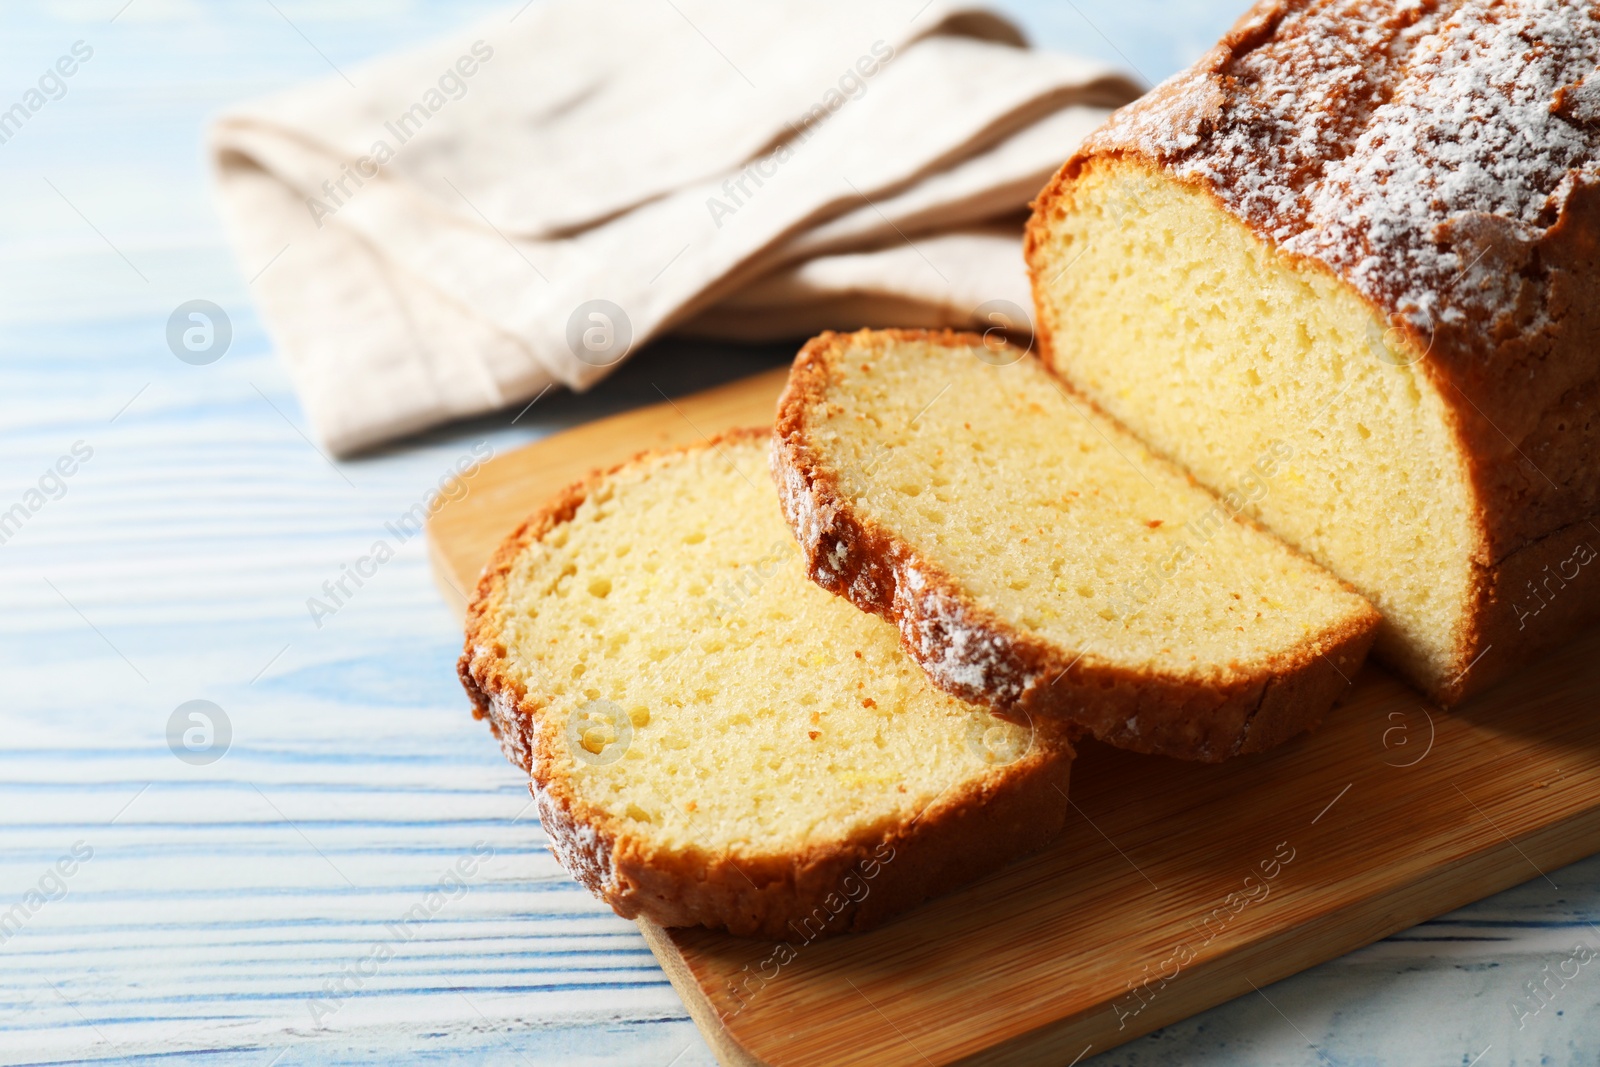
{"type": "Point", "coordinates": [715, 741]}
{"type": "Point", "coordinates": [1037, 558]}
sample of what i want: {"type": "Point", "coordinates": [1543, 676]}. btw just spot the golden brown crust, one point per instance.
{"type": "Point", "coordinates": [1495, 283]}
{"type": "Point", "coordinates": [977, 656]}
{"type": "Point", "coordinates": [1528, 602]}
{"type": "Point", "coordinates": [841, 886]}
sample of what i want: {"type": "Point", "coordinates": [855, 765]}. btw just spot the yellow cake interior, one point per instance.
{"type": "Point", "coordinates": [1210, 346]}
{"type": "Point", "coordinates": [1057, 521]}
{"type": "Point", "coordinates": [711, 696]}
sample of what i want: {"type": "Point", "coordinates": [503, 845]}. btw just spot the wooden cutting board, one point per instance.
{"type": "Point", "coordinates": [1174, 887]}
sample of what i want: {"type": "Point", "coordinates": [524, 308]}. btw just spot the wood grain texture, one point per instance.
{"type": "Point", "coordinates": [1175, 887]}
{"type": "Point", "coordinates": [222, 901]}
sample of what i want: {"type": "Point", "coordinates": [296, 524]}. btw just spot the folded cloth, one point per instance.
{"type": "Point", "coordinates": [447, 232]}
{"type": "Point", "coordinates": [950, 280]}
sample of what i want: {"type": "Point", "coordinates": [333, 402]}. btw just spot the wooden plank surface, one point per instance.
{"type": "Point", "coordinates": [231, 912]}
{"type": "Point", "coordinates": [1175, 886]}
{"type": "Point", "coordinates": [222, 900]}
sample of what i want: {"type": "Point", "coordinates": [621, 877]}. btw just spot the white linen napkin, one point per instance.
{"type": "Point", "coordinates": [453, 230]}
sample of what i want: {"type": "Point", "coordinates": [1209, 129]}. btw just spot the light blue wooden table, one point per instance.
{"type": "Point", "coordinates": [253, 909]}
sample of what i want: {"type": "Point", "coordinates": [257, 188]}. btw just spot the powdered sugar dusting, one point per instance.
{"type": "Point", "coordinates": [584, 851]}
{"type": "Point", "coordinates": [1418, 148]}
{"type": "Point", "coordinates": [960, 652]}
{"type": "Point", "coordinates": [803, 512]}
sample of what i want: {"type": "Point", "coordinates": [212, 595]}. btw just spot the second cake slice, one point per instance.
{"type": "Point", "coordinates": [1037, 557]}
